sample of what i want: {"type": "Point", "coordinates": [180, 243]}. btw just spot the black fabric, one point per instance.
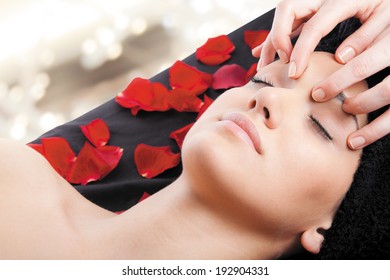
{"type": "Point", "coordinates": [361, 227]}
{"type": "Point", "coordinates": [123, 187]}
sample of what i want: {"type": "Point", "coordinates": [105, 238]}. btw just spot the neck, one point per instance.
{"type": "Point", "coordinates": [175, 224]}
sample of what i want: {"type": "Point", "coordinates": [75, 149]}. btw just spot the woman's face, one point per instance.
{"type": "Point", "coordinates": [274, 153]}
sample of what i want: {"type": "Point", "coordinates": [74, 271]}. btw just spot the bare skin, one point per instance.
{"type": "Point", "coordinates": [196, 217]}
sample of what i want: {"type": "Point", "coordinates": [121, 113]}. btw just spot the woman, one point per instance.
{"type": "Point", "coordinates": [264, 172]}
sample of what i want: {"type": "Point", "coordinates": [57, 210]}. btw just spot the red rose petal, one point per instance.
{"type": "Point", "coordinates": [138, 93]}
{"type": "Point", "coordinates": [228, 76]}
{"type": "Point", "coordinates": [179, 134]}
{"type": "Point", "coordinates": [152, 161]}
{"type": "Point", "coordinates": [254, 38]}
{"type": "Point", "coordinates": [94, 163]}
{"type": "Point", "coordinates": [37, 147]}
{"type": "Point", "coordinates": [214, 59]}
{"type": "Point", "coordinates": [59, 154]}
{"type": "Point", "coordinates": [184, 76]}
{"type": "Point", "coordinates": [206, 104]}
{"type": "Point", "coordinates": [144, 196]}
{"type": "Point", "coordinates": [141, 94]}
{"type": "Point", "coordinates": [160, 98]}
{"type": "Point", "coordinates": [111, 155]}
{"type": "Point", "coordinates": [215, 51]}
{"type": "Point", "coordinates": [183, 100]}
{"type": "Point", "coordinates": [96, 132]}
{"type": "Point", "coordinates": [251, 72]}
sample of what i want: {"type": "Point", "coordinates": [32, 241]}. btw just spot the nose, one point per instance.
{"type": "Point", "coordinates": [267, 103]}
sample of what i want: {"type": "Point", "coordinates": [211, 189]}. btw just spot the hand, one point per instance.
{"type": "Point", "coordinates": [365, 52]}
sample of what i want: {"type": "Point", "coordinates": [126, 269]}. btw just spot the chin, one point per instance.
{"type": "Point", "coordinates": [204, 156]}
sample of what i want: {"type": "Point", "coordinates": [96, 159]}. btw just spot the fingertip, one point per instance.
{"type": "Point", "coordinates": [318, 94]}
{"type": "Point", "coordinates": [357, 142]}
{"type": "Point", "coordinates": [256, 51]}
{"type": "Point", "coordinates": [283, 56]}
{"type": "Point", "coordinates": [292, 70]}
{"type": "Point", "coordinates": [345, 55]}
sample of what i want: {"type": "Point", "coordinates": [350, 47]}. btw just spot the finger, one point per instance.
{"type": "Point", "coordinates": [287, 18]}
{"type": "Point", "coordinates": [267, 54]}
{"type": "Point", "coordinates": [269, 50]}
{"type": "Point", "coordinates": [370, 132]}
{"type": "Point", "coordinates": [256, 51]}
{"type": "Point", "coordinates": [364, 65]}
{"type": "Point", "coordinates": [370, 100]}
{"type": "Point", "coordinates": [314, 30]}
{"type": "Point", "coordinates": [362, 38]}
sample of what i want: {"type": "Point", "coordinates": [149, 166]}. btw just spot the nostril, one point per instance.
{"type": "Point", "coordinates": [266, 112]}
{"type": "Point", "coordinates": [252, 104]}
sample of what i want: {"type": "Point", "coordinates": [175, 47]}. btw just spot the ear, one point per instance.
{"type": "Point", "coordinates": [313, 237]}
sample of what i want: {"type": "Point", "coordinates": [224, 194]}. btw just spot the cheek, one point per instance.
{"type": "Point", "coordinates": [319, 177]}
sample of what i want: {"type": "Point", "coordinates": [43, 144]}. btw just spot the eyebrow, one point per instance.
{"type": "Point", "coordinates": [341, 97]}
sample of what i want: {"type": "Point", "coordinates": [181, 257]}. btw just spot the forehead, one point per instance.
{"type": "Point", "coordinates": [321, 65]}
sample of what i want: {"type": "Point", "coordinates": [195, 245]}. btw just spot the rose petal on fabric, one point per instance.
{"type": "Point", "coordinates": [183, 100]}
{"type": "Point", "coordinates": [59, 154]}
{"type": "Point", "coordinates": [152, 161]}
{"type": "Point", "coordinates": [111, 155]}
{"type": "Point", "coordinates": [251, 72]}
{"type": "Point", "coordinates": [97, 132]}
{"type": "Point", "coordinates": [185, 76]}
{"type": "Point", "coordinates": [37, 147]}
{"type": "Point", "coordinates": [229, 76]}
{"type": "Point", "coordinates": [254, 38]}
{"type": "Point", "coordinates": [94, 163]}
{"type": "Point", "coordinates": [144, 196]}
{"type": "Point", "coordinates": [179, 134]}
{"type": "Point", "coordinates": [160, 102]}
{"type": "Point", "coordinates": [214, 59]}
{"type": "Point", "coordinates": [207, 101]}
{"type": "Point", "coordinates": [215, 51]}
{"type": "Point", "coordinates": [142, 94]}
{"type": "Point", "coordinates": [138, 93]}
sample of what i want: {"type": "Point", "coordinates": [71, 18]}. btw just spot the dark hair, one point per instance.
{"type": "Point", "coordinates": [361, 227]}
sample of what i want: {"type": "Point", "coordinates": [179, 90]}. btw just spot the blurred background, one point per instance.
{"type": "Point", "coordinates": [62, 58]}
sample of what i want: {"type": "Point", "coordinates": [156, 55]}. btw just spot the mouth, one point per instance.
{"type": "Point", "coordinates": [245, 129]}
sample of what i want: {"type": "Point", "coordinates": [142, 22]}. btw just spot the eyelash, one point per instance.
{"type": "Point", "coordinates": [319, 127]}
{"type": "Point", "coordinates": [258, 80]}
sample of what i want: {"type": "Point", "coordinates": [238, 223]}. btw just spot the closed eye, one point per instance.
{"type": "Point", "coordinates": [320, 128]}
{"type": "Point", "coordinates": [258, 80]}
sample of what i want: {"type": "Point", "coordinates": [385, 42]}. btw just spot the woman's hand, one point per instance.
{"type": "Point", "coordinates": [365, 52]}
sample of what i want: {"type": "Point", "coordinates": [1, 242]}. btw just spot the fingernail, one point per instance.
{"type": "Point", "coordinates": [283, 56]}
{"type": "Point", "coordinates": [318, 94]}
{"type": "Point", "coordinates": [357, 142]}
{"type": "Point", "coordinates": [292, 69]}
{"type": "Point", "coordinates": [347, 54]}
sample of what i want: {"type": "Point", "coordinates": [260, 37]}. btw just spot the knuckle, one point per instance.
{"type": "Point", "coordinates": [332, 87]}
{"type": "Point", "coordinates": [365, 39]}
{"type": "Point", "coordinates": [360, 68]}
{"type": "Point", "coordinates": [311, 27]}
{"type": "Point", "coordinates": [284, 5]}
{"type": "Point", "coordinates": [353, 104]}
{"type": "Point", "coordinates": [276, 40]}
{"type": "Point", "coordinates": [373, 134]}
{"type": "Point", "coordinates": [386, 89]}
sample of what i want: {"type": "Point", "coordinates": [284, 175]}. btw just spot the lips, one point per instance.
{"type": "Point", "coordinates": [246, 126]}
